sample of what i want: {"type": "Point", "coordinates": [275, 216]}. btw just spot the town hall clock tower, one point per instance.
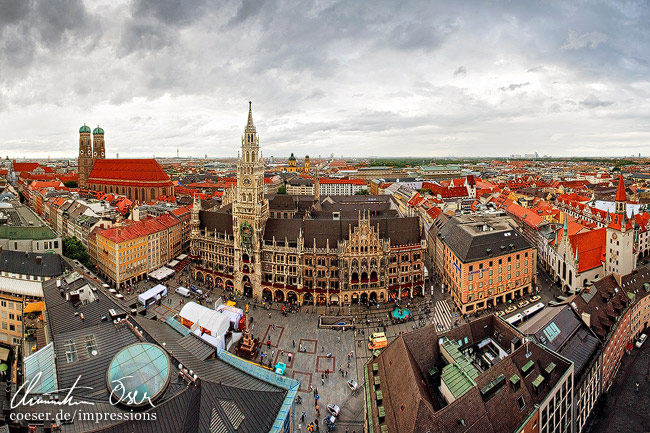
{"type": "Point", "coordinates": [250, 210]}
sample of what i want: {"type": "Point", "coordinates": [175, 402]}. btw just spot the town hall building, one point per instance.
{"type": "Point", "coordinates": [306, 249]}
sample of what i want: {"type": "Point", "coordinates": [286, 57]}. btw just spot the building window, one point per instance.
{"type": "Point", "coordinates": [91, 345]}
{"type": "Point", "coordinates": [70, 352]}
{"type": "Point", "coordinates": [521, 402]}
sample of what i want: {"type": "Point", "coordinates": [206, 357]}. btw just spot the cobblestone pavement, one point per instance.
{"type": "Point", "coordinates": [624, 409]}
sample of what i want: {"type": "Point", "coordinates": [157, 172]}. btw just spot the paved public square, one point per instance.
{"type": "Point", "coordinates": [624, 408]}
{"type": "Point", "coordinates": [286, 334]}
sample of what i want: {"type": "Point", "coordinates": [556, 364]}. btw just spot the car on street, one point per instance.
{"type": "Point", "coordinates": [376, 335]}
{"type": "Point", "coordinates": [639, 341]}
{"type": "Point", "coordinates": [510, 309]}
{"type": "Point", "coordinates": [500, 313]}
{"type": "Point", "coordinates": [535, 298]}
{"type": "Point", "coordinates": [353, 385]}
{"type": "Point", "coordinates": [333, 409]}
{"type": "Point", "coordinates": [522, 304]}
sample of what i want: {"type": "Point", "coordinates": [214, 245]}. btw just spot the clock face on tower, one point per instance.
{"type": "Point", "coordinates": [247, 181]}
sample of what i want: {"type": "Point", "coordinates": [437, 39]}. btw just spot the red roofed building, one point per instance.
{"type": "Point", "coordinates": [140, 180]}
{"type": "Point", "coordinates": [125, 254]}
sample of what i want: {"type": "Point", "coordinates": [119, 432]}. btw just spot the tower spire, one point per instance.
{"type": "Point", "coordinates": [250, 126]}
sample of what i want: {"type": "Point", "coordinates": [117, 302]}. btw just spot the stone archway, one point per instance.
{"type": "Point", "coordinates": [321, 299]}
{"type": "Point", "coordinates": [229, 285]}
{"type": "Point", "coordinates": [247, 286]}
{"type": "Point", "coordinates": [198, 276]}
{"type": "Point", "coordinates": [292, 297]}
{"type": "Point", "coordinates": [417, 291]}
{"type": "Point", "coordinates": [392, 295]}
{"type": "Point", "coordinates": [355, 298]}
{"type": "Point", "coordinates": [267, 295]}
{"type": "Point", "coordinates": [219, 283]}
{"type": "Point", "coordinates": [406, 293]}
{"type": "Point", "coordinates": [373, 297]}
{"type": "Point", "coordinates": [209, 280]}
{"type": "Point", "coordinates": [278, 296]}
{"type": "Point", "coordinates": [307, 299]}
{"type": "Point", "coordinates": [364, 298]}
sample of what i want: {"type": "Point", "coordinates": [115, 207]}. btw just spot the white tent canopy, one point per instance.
{"type": "Point", "coordinates": [233, 313]}
{"type": "Point", "coordinates": [161, 273]}
{"type": "Point", "coordinates": [204, 317]}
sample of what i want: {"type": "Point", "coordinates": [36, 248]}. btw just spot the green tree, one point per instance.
{"type": "Point", "coordinates": [282, 189]}
{"type": "Point", "coordinates": [362, 192]}
{"type": "Point", "coordinates": [71, 183]}
{"type": "Point", "coordinates": [424, 191]}
{"type": "Point", "coordinates": [74, 249]}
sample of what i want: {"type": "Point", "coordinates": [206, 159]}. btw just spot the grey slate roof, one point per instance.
{"type": "Point", "coordinates": [223, 397]}
{"type": "Point", "coordinates": [19, 262]}
{"type": "Point", "coordinates": [470, 246]}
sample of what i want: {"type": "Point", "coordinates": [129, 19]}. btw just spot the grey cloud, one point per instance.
{"type": "Point", "coordinates": [593, 102]}
{"type": "Point", "coordinates": [247, 9]}
{"type": "Point", "coordinates": [12, 11]}
{"type": "Point", "coordinates": [170, 12]}
{"type": "Point", "coordinates": [576, 40]}
{"type": "Point", "coordinates": [539, 68]}
{"type": "Point", "coordinates": [514, 86]}
{"type": "Point", "coordinates": [145, 36]}
{"type": "Point", "coordinates": [353, 63]}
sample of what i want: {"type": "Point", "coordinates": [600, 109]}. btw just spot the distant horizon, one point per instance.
{"type": "Point", "coordinates": [371, 158]}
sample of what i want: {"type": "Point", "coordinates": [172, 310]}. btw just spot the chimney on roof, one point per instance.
{"type": "Point", "coordinates": [39, 260]}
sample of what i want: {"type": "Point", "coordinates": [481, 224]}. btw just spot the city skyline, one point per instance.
{"type": "Point", "coordinates": [433, 80]}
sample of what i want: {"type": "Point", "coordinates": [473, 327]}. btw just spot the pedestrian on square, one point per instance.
{"type": "Point", "coordinates": [293, 343]}
{"type": "Point", "coordinates": [322, 381]}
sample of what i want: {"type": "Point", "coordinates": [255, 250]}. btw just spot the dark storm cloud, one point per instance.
{"type": "Point", "coordinates": [171, 12]}
{"type": "Point", "coordinates": [48, 25]}
{"type": "Point", "coordinates": [247, 9]}
{"type": "Point", "coordinates": [12, 11]}
{"type": "Point", "coordinates": [370, 72]}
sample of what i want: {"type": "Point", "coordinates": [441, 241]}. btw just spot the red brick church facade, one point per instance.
{"type": "Point", "coordinates": [140, 180]}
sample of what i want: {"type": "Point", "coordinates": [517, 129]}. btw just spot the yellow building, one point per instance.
{"type": "Point", "coordinates": [293, 166]}
{"type": "Point", "coordinates": [124, 255]}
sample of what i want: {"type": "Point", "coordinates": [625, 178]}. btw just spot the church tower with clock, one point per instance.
{"type": "Point", "coordinates": [250, 210]}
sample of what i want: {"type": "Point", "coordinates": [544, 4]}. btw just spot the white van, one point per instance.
{"type": "Point", "coordinates": [183, 292]}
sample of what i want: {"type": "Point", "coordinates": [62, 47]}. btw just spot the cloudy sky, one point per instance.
{"type": "Point", "coordinates": [359, 78]}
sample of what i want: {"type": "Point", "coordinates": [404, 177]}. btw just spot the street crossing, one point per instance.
{"type": "Point", "coordinates": [443, 315]}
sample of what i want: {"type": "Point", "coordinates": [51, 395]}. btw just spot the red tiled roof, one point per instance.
{"type": "Point", "coordinates": [117, 171]}
{"type": "Point", "coordinates": [25, 166]}
{"type": "Point", "coordinates": [528, 216]}
{"type": "Point", "coordinates": [591, 248]}
{"type": "Point", "coordinates": [39, 185]}
{"type": "Point", "coordinates": [139, 228]}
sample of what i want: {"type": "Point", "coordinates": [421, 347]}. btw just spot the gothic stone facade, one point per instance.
{"type": "Point", "coordinates": [337, 250]}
